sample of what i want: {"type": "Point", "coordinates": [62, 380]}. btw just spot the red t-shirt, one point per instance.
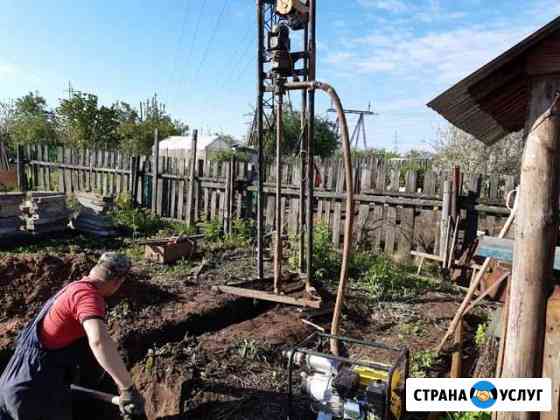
{"type": "Point", "coordinates": [62, 325]}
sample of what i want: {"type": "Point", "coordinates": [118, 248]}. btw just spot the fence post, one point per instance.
{"type": "Point", "coordinates": [20, 168]}
{"type": "Point", "coordinates": [445, 212]}
{"type": "Point", "coordinates": [192, 176]}
{"type": "Point", "coordinates": [155, 171]}
{"type": "Point", "coordinates": [133, 187]}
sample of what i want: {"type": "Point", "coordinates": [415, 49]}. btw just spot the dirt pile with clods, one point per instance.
{"type": "Point", "coordinates": [27, 282]}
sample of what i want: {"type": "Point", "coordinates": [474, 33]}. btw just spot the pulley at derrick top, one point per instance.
{"type": "Point", "coordinates": [296, 12]}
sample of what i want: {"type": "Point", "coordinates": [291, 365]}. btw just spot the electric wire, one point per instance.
{"type": "Point", "coordinates": [193, 40]}
{"type": "Point", "coordinates": [178, 45]}
{"type": "Point", "coordinates": [211, 39]}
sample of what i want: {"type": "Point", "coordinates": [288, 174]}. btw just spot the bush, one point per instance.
{"type": "Point", "coordinates": [212, 230]}
{"type": "Point", "coordinates": [138, 221]}
{"type": "Point", "coordinates": [326, 259]}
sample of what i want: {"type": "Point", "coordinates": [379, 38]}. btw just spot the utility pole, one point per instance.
{"type": "Point", "coordinates": [359, 130]}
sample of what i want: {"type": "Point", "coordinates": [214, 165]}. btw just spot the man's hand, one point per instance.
{"type": "Point", "coordinates": [131, 402]}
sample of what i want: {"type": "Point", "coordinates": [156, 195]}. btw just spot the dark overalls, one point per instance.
{"type": "Point", "coordinates": [36, 382]}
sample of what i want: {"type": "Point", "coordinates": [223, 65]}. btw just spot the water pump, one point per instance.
{"type": "Point", "coordinates": [343, 388]}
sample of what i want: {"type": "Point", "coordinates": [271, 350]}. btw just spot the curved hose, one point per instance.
{"type": "Point", "coordinates": [349, 199]}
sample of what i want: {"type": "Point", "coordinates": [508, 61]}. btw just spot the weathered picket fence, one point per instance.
{"type": "Point", "coordinates": [396, 209]}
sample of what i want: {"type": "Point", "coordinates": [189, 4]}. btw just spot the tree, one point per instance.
{"type": "Point", "coordinates": [325, 139]}
{"type": "Point", "coordinates": [455, 147]}
{"type": "Point", "coordinates": [29, 121]}
{"type": "Point", "coordinates": [83, 123]}
{"type": "Point", "coordinates": [136, 127]}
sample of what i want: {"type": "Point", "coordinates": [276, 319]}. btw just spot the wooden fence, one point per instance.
{"type": "Point", "coordinates": [395, 210]}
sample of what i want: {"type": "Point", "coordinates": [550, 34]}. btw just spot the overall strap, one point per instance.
{"type": "Point", "coordinates": [28, 334]}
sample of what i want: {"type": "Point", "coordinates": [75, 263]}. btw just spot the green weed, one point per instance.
{"type": "Point", "coordinates": [385, 280]}
{"type": "Point", "coordinates": [421, 361]}
{"type": "Point", "coordinates": [212, 230]}
{"type": "Point", "coordinates": [250, 349]}
{"type": "Point", "coordinates": [481, 335]}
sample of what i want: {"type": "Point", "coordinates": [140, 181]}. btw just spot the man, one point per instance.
{"type": "Point", "coordinates": [36, 383]}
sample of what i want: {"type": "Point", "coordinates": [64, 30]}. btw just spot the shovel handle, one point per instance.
{"type": "Point", "coordinates": [98, 395]}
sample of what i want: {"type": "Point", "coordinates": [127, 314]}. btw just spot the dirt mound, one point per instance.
{"type": "Point", "coordinates": [28, 282]}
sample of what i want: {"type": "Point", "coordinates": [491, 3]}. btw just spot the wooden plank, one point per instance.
{"type": "Point", "coordinates": [174, 188]}
{"type": "Point", "coordinates": [106, 181]}
{"type": "Point", "coordinates": [214, 192]}
{"type": "Point", "coordinates": [406, 232]}
{"type": "Point", "coordinates": [380, 182]}
{"type": "Point", "coordinates": [411, 180]}
{"type": "Point", "coordinates": [337, 217]}
{"type": "Point", "coordinates": [162, 187]}
{"type": "Point", "coordinates": [68, 173]}
{"type": "Point", "coordinates": [48, 170]}
{"type": "Point", "coordinates": [363, 209]}
{"type": "Point", "coordinates": [182, 171]}
{"type": "Point", "coordinates": [45, 184]}
{"type": "Point", "coordinates": [426, 255]}
{"type": "Point", "coordinates": [206, 203]}
{"type": "Point", "coordinates": [242, 168]}
{"type": "Point", "coordinates": [551, 362]}
{"type": "Point", "coordinates": [491, 225]}
{"type": "Point", "coordinates": [61, 178]}
{"type": "Point", "coordinates": [330, 186]}
{"type": "Point", "coordinates": [376, 226]}
{"type": "Point", "coordinates": [197, 190]}
{"type": "Point", "coordinates": [395, 179]}
{"type": "Point", "coordinates": [494, 183]}
{"type": "Point", "coordinates": [390, 230]}
{"type": "Point", "coordinates": [294, 202]}
{"type": "Point", "coordinates": [285, 176]}
{"type": "Point", "coordinates": [259, 294]}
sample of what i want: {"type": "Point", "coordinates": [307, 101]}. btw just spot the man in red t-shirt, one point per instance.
{"type": "Point", "coordinates": [35, 383]}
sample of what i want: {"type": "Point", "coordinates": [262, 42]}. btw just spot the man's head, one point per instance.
{"type": "Point", "coordinates": [110, 272]}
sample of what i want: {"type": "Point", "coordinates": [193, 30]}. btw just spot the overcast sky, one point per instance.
{"type": "Point", "coordinates": [199, 56]}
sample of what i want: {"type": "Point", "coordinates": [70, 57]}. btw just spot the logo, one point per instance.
{"type": "Point", "coordinates": [484, 394]}
{"type": "Point", "coordinates": [472, 394]}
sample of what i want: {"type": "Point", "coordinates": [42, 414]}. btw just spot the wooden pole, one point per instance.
{"type": "Point", "coordinates": [456, 358]}
{"type": "Point", "coordinates": [446, 208]}
{"type": "Point", "coordinates": [551, 363]}
{"type": "Point", "coordinates": [535, 236]}
{"type": "Point", "coordinates": [155, 171]}
{"type": "Point", "coordinates": [192, 178]}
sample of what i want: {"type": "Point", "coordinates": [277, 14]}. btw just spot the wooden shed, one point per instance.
{"type": "Point", "coordinates": [518, 90]}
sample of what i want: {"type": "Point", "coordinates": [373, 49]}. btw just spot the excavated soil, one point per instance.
{"type": "Point", "coordinates": [199, 354]}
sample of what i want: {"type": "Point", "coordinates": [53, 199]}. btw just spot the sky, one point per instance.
{"type": "Point", "coordinates": [199, 56]}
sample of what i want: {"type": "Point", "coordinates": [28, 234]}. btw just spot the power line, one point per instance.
{"type": "Point", "coordinates": [195, 34]}
{"type": "Point", "coordinates": [241, 47]}
{"type": "Point", "coordinates": [211, 39]}
{"type": "Point", "coordinates": [179, 43]}
{"type": "Point", "coordinates": [235, 75]}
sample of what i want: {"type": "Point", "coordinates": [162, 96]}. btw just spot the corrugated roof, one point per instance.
{"type": "Point", "coordinates": [492, 102]}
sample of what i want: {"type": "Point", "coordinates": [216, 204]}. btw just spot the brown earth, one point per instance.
{"type": "Point", "coordinates": [198, 354]}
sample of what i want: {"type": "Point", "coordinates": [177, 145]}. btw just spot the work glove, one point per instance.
{"type": "Point", "coordinates": [131, 402]}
